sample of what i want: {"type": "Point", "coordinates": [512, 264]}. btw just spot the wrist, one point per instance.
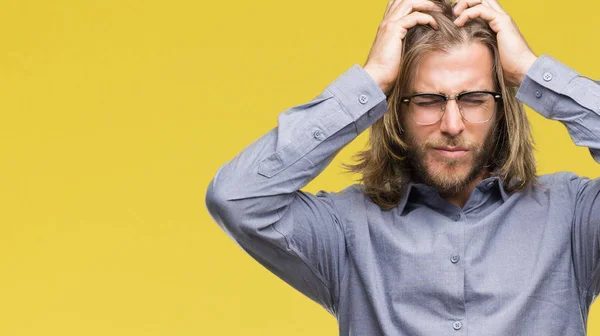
{"type": "Point", "coordinates": [378, 79]}
{"type": "Point", "coordinates": [526, 65]}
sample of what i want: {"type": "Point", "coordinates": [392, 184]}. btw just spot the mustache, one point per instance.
{"type": "Point", "coordinates": [446, 141]}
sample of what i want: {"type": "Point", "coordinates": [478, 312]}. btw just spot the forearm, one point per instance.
{"type": "Point", "coordinates": [559, 93]}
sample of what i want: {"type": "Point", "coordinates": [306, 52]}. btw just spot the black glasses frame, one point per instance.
{"type": "Point", "coordinates": [406, 100]}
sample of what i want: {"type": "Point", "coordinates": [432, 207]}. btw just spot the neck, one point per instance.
{"type": "Point", "coordinates": [460, 198]}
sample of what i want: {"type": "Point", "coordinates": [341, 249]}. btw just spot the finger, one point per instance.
{"type": "Point", "coordinates": [389, 5]}
{"type": "Point", "coordinates": [407, 7]}
{"type": "Point", "coordinates": [494, 4]}
{"type": "Point", "coordinates": [417, 18]}
{"type": "Point", "coordinates": [461, 5]}
{"type": "Point", "coordinates": [397, 4]}
{"type": "Point", "coordinates": [479, 11]}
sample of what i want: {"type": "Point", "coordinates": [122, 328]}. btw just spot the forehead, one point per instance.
{"type": "Point", "coordinates": [465, 67]}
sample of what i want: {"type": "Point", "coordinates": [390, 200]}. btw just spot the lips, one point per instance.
{"type": "Point", "coordinates": [451, 152]}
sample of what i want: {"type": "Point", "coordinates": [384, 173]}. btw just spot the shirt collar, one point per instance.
{"type": "Point", "coordinates": [488, 185]}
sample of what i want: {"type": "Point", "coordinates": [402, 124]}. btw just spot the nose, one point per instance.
{"type": "Point", "coordinates": [452, 122]}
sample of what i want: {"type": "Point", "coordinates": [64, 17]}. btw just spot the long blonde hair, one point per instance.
{"type": "Point", "coordinates": [384, 166]}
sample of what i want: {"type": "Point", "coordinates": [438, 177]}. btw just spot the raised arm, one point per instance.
{"type": "Point", "coordinates": [256, 197]}
{"type": "Point", "coordinates": [558, 93]}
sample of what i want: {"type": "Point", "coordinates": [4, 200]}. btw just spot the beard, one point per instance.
{"type": "Point", "coordinates": [449, 175]}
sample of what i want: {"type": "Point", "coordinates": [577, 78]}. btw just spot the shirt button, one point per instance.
{"type": "Point", "coordinates": [538, 94]}
{"type": "Point", "coordinates": [456, 217]}
{"type": "Point", "coordinates": [455, 258]}
{"type": "Point", "coordinates": [318, 135]}
{"type": "Point", "coordinates": [457, 325]}
{"type": "Point", "coordinates": [547, 76]}
{"type": "Point", "coordinates": [363, 99]}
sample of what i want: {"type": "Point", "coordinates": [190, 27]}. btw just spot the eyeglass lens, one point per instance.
{"type": "Point", "coordinates": [475, 107]}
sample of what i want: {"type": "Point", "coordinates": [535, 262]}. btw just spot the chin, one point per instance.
{"type": "Point", "coordinates": [449, 177]}
{"type": "Point", "coordinates": [443, 166]}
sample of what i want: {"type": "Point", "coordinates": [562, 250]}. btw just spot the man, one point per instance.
{"type": "Point", "coordinates": [450, 231]}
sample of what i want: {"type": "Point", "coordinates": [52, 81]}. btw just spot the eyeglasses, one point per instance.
{"type": "Point", "coordinates": [476, 107]}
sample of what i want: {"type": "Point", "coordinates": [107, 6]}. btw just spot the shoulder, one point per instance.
{"type": "Point", "coordinates": [353, 203]}
{"type": "Point", "coordinates": [562, 178]}
{"type": "Point", "coordinates": [350, 194]}
{"type": "Point", "coordinates": [350, 201]}
{"type": "Point", "coordinates": [563, 182]}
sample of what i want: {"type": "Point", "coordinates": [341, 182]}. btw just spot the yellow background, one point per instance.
{"type": "Point", "coordinates": [116, 114]}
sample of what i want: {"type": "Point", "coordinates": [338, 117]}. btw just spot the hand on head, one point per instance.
{"type": "Point", "coordinates": [384, 60]}
{"type": "Point", "coordinates": [515, 55]}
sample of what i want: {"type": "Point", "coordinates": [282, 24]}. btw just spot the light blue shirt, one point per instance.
{"type": "Point", "coordinates": [524, 263]}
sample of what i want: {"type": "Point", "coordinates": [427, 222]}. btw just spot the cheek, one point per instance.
{"type": "Point", "coordinates": [417, 133]}
{"type": "Point", "coordinates": [477, 134]}
{"type": "Point", "coordinates": [484, 132]}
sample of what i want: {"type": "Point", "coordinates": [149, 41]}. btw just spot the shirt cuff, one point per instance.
{"type": "Point", "coordinates": [353, 99]}
{"type": "Point", "coordinates": [543, 81]}
{"type": "Point", "coordinates": [548, 79]}
{"type": "Point", "coordinates": [358, 93]}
